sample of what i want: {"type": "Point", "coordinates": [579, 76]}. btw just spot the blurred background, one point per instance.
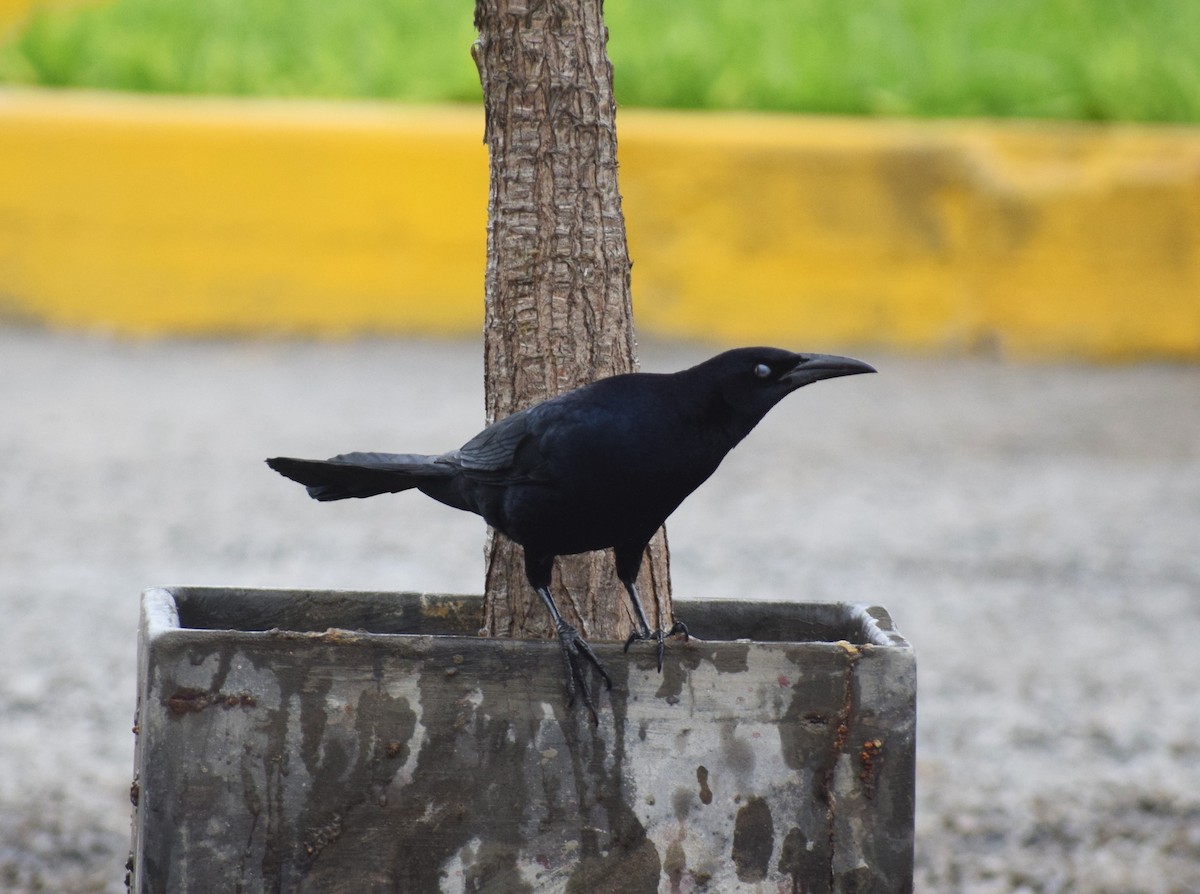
{"type": "Point", "coordinates": [813, 170]}
{"type": "Point", "coordinates": [1099, 61]}
{"type": "Point", "coordinates": [231, 230]}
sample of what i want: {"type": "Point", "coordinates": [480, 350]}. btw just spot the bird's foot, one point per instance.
{"type": "Point", "coordinates": [659, 637]}
{"type": "Point", "coordinates": [575, 650]}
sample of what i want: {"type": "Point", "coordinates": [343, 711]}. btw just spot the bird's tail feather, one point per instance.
{"type": "Point", "coordinates": [359, 474]}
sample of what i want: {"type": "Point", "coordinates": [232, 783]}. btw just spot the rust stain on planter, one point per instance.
{"type": "Point", "coordinates": [870, 756]}
{"type": "Point", "coordinates": [189, 701]}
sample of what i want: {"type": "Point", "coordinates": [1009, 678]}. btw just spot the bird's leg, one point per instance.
{"type": "Point", "coordinates": [645, 633]}
{"type": "Point", "coordinates": [574, 645]}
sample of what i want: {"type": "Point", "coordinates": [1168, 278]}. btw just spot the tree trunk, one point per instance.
{"type": "Point", "coordinates": [557, 281]}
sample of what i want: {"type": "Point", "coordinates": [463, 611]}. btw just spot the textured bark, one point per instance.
{"type": "Point", "coordinates": [557, 283]}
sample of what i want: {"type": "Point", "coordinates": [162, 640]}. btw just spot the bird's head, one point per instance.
{"type": "Point", "coordinates": [753, 380]}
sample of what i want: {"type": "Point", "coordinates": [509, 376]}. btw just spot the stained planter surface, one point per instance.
{"type": "Point", "coordinates": [357, 742]}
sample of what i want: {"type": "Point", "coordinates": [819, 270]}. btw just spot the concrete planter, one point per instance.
{"type": "Point", "coordinates": [361, 742]}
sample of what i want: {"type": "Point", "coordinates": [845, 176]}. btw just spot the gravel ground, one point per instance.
{"type": "Point", "coordinates": [1034, 530]}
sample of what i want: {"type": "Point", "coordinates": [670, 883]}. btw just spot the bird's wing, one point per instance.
{"type": "Point", "coordinates": [505, 451]}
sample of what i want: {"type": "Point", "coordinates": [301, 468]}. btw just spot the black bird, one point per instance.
{"type": "Point", "coordinates": [595, 468]}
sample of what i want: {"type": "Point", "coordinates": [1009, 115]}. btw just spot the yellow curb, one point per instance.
{"type": "Point", "coordinates": [152, 215]}
{"type": "Point", "coordinates": [1035, 239]}
{"type": "Point", "coordinates": [149, 215]}
{"type": "Point", "coordinates": [12, 13]}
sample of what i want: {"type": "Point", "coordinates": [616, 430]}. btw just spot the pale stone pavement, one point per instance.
{"type": "Point", "coordinates": [1034, 530]}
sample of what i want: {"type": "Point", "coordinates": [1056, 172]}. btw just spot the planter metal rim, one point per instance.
{"type": "Point", "coordinates": [863, 624]}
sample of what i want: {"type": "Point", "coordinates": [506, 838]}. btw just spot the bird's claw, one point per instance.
{"type": "Point", "coordinates": [574, 645]}
{"type": "Point", "coordinates": [659, 637]}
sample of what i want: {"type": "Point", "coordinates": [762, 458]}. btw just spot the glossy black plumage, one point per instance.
{"type": "Point", "coordinates": [598, 467]}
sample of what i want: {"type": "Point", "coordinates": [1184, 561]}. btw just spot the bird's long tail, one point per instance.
{"type": "Point", "coordinates": [359, 474]}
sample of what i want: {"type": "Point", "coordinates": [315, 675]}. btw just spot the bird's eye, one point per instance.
{"type": "Point", "coordinates": [762, 370]}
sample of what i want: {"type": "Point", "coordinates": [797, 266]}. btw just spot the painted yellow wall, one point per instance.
{"type": "Point", "coordinates": [151, 215]}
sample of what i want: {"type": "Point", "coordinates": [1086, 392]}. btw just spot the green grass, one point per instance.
{"type": "Point", "coordinates": [316, 48]}
{"type": "Point", "coordinates": [1136, 60]}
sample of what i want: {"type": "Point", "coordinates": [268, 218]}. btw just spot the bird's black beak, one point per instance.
{"type": "Point", "coordinates": [815, 367]}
